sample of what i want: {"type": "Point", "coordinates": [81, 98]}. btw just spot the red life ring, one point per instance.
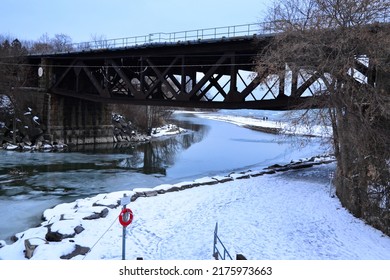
{"type": "Point", "coordinates": [126, 217]}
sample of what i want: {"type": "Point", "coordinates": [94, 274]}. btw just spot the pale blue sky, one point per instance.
{"type": "Point", "coordinates": [81, 19]}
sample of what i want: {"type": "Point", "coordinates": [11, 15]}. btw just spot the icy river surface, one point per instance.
{"type": "Point", "coordinates": [31, 182]}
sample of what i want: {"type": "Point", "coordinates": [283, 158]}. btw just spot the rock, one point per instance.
{"type": "Point", "coordinates": [78, 229]}
{"type": "Point", "coordinates": [38, 145]}
{"type": "Point", "coordinates": [184, 187]}
{"type": "Point", "coordinates": [95, 216]}
{"type": "Point", "coordinates": [257, 174]}
{"type": "Point", "coordinates": [111, 206]}
{"type": "Point", "coordinates": [300, 166]}
{"type": "Point", "coordinates": [47, 146]}
{"type": "Point", "coordinates": [134, 197]}
{"type": "Point", "coordinates": [223, 179]}
{"type": "Point", "coordinates": [54, 236]}
{"type": "Point", "coordinates": [151, 193]}
{"type": "Point", "coordinates": [104, 213]}
{"type": "Point", "coordinates": [10, 147]}
{"type": "Point", "coordinates": [59, 146]}
{"type": "Point", "coordinates": [242, 176]}
{"type": "Point", "coordinates": [240, 257]}
{"type": "Point", "coordinates": [117, 126]}
{"type": "Point", "coordinates": [281, 169]}
{"type": "Point", "coordinates": [18, 139]}
{"type": "Point", "coordinates": [29, 249]}
{"type": "Point", "coordinates": [79, 250]}
{"type": "Point", "coordinates": [35, 133]}
{"type": "Point", "coordinates": [173, 189]}
{"type": "Point", "coordinates": [14, 238]}
{"type": "Point", "coordinates": [205, 181]}
{"type": "Point", "coordinates": [274, 166]}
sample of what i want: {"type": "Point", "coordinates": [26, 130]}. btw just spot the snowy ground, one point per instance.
{"type": "Point", "coordinates": [275, 124]}
{"type": "Point", "coordinates": [282, 216]}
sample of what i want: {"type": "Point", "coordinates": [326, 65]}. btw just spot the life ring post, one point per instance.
{"type": "Point", "coordinates": [125, 218]}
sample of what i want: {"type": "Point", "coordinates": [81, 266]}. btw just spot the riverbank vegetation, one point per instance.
{"type": "Point", "coordinates": [345, 47]}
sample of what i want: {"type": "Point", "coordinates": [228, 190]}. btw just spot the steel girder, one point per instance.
{"type": "Point", "coordinates": [215, 74]}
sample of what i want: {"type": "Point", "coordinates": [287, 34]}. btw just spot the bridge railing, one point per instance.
{"type": "Point", "coordinates": [264, 28]}
{"type": "Point", "coordinates": [175, 37]}
{"type": "Point", "coordinates": [219, 253]}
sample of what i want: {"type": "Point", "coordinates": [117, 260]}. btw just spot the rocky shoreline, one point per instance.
{"type": "Point", "coordinates": [34, 139]}
{"type": "Point", "coordinates": [71, 215]}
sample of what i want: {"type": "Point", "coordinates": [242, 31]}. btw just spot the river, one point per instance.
{"type": "Point", "coordinates": [31, 182]}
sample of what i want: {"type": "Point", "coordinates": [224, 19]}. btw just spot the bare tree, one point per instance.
{"type": "Point", "coordinates": [62, 43]}
{"type": "Point", "coordinates": [144, 117]}
{"type": "Point", "coordinates": [344, 46]}
{"type": "Point", "coordinates": [45, 44]}
{"type": "Point", "coordinates": [98, 41]}
{"type": "Point", "coordinates": [42, 45]}
{"type": "Point", "coordinates": [13, 75]}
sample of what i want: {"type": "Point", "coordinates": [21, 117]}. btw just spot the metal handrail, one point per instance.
{"type": "Point", "coordinates": [216, 253]}
{"type": "Point", "coordinates": [174, 37]}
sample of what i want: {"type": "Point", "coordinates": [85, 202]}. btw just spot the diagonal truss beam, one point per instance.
{"type": "Point", "coordinates": [207, 76]}
{"type": "Point", "coordinates": [161, 76]}
{"type": "Point", "coordinates": [126, 80]}
{"type": "Point", "coordinates": [103, 92]}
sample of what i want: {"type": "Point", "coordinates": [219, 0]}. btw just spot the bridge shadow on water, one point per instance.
{"type": "Point", "coordinates": [151, 157]}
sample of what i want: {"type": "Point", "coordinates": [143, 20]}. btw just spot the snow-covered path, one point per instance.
{"type": "Point", "coordinates": [267, 217]}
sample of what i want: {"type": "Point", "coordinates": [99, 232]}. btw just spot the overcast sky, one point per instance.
{"type": "Point", "coordinates": [84, 19]}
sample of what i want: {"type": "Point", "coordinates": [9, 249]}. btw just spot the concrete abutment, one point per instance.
{"type": "Point", "coordinates": [74, 121]}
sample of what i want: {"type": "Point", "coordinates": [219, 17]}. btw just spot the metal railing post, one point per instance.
{"type": "Point", "coordinates": [215, 254]}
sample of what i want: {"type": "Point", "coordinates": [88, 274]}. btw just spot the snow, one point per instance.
{"type": "Point", "coordinates": [280, 216]}
{"type": "Point", "coordinates": [284, 127]}
{"type": "Point", "coordinates": [167, 130]}
{"type": "Point", "coordinates": [35, 119]}
{"type": "Point", "coordinates": [10, 147]}
{"type": "Point", "coordinates": [5, 102]}
{"type": "Point", "coordinates": [268, 214]}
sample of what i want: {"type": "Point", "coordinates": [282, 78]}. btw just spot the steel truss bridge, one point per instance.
{"type": "Point", "coordinates": [207, 68]}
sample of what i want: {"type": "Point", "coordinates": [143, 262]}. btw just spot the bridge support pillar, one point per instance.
{"type": "Point", "coordinates": [75, 121]}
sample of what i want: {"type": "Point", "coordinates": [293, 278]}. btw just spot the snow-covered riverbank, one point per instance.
{"type": "Point", "coordinates": [265, 124]}
{"type": "Point", "coordinates": [282, 213]}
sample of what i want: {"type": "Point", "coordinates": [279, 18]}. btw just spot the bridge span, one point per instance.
{"type": "Point", "coordinates": [209, 68]}
{"type": "Point", "coordinates": [204, 68]}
